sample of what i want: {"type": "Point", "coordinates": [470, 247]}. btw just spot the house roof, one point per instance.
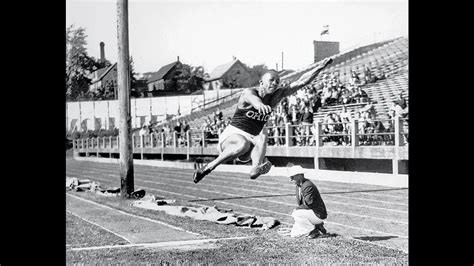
{"type": "Point", "coordinates": [220, 70]}
{"type": "Point", "coordinates": [101, 72]}
{"type": "Point", "coordinates": [162, 72]}
{"type": "Point", "coordinates": [108, 70]}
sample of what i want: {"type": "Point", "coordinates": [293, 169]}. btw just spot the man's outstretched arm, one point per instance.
{"type": "Point", "coordinates": [249, 96]}
{"type": "Point", "coordinates": [304, 80]}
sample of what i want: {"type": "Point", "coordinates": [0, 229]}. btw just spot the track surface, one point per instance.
{"type": "Point", "coordinates": [370, 213]}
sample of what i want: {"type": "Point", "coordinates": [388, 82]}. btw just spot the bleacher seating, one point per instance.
{"type": "Point", "coordinates": [382, 92]}
{"type": "Point", "coordinates": [388, 57]}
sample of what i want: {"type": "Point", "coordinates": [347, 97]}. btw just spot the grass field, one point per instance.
{"type": "Point", "coordinates": [368, 224]}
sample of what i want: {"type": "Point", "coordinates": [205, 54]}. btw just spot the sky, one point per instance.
{"type": "Point", "coordinates": [211, 33]}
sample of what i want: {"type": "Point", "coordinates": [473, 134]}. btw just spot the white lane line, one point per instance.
{"type": "Point", "coordinates": [259, 191]}
{"type": "Point", "coordinates": [269, 211]}
{"type": "Point", "coordinates": [278, 213]}
{"type": "Point", "coordinates": [266, 200]}
{"type": "Point", "coordinates": [277, 184]}
{"type": "Point", "coordinates": [82, 218]}
{"type": "Point", "coordinates": [285, 214]}
{"type": "Point", "coordinates": [328, 186]}
{"type": "Point", "coordinates": [133, 215]}
{"type": "Point", "coordinates": [292, 191]}
{"type": "Point", "coordinates": [230, 176]}
{"type": "Point", "coordinates": [161, 244]}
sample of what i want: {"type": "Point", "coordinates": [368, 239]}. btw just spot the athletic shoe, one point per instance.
{"type": "Point", "coordinates": [313, 234]}
{"type": "Point", "coordinates": [261, 169]}
{"type": "Point", "coordinates": [321, 228]}
{"type": "Point", "coordinates": [200, 174]}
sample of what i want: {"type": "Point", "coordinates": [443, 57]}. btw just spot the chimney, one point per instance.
{"type": "Point", "coordinates": [281, 60]}
{"type": "Point", "coordinates": [102, 52]}
{"type": "Point", "coordinates": [177, 58]}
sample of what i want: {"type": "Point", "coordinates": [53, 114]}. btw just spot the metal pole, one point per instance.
{"type": "Point", "coordinates": [123, 83]}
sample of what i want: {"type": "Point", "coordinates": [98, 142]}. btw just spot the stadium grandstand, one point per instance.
{"type": "Point", "coordinates": [359, 109]}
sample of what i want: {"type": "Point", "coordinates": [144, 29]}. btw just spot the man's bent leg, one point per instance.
{"type": "Point", "coordinates": [260, 164]}
{"type": "Point", "coordinates": [305, 223]}
{"type": "Point", "coordinates": [234, 146]}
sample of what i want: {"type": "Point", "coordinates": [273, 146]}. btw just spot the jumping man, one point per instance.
{"type": "Point", "coordinates": [244, 138]}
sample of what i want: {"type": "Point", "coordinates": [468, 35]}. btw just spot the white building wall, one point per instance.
{"type": "Point", "coordinates": [159, 106]}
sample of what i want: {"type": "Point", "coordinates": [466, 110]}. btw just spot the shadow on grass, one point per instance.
{"type": "Point", "coordinates": [245, 197]}
{"type": "Point", "coordinates": [369, 190]}
{"type": "Point", "coordinates": [375, 238]}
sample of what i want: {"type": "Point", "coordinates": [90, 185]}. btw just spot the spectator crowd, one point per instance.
{"type": "Point", "coordinates": [298, 111]}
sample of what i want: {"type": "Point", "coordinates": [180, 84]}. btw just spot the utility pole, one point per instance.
{"type": "Point", "coordinates": [123, 82]}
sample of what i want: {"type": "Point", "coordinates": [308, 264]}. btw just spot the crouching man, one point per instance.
{"type": "Point", "coordinates": [311, 211]}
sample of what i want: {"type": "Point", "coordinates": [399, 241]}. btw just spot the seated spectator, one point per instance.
{"type": "Point", "coordinates": [306, 121]}
{"type": "Point", "coordinates": [369, 107]}
{"type": "Point", "coordinates": [345, 114]}
{"type": "Point", "coordinates": [177, 131]}
{"type": "Point", "coordinates": [338, 129]}
{"type": "Point", "coordinates": [292, 100]}
{"type": "Point", "coordinates": [334, 95]}
{"type": "Point", "coordinates": [166, 136]}
{"type": "Point", "coordinates": [186, 126]}
{"type": "Point", "coordinates": [346, 96]}
{"type": "Point", "coordinates": [299, 105]}
{"type": "Point", "coordinates": [398, 110]}
{"type": "Point", "coordinates": [346, 130]}
{"type": "Point", "coordinates": [313, 129]}
{"type": "Point", "coordinates": [401, 106]}
{"type": "Point", "coordinates": [177, 128]}
{"type": "Point", "coordinates": [326, 96]}
{"type": "Point", "coordinates": [401, 101]}
{"type": "Point", "coordinates": [318, 86]}
{"type": "Point", "coordinates": [282, 120]}
{"type": "Point", "coordinates": [143, 131]}
{"type": "Point", "coordinates": [228, 120]}
{"type": "Point", "coordinates": [326, 128]}
{"type": "Point", "coordinates": [390, 128]}
{"type": "Point", "coordinates": [369, 78]}
{"type": "Point", "coordinates": [368, 126]}
{"type": "Point", "coordinates": [271, 128]}
{"type": "Point", "coordinates": [357, 116]}
{"type": "Point", "coordinates": [217, 114]}
{"type": "Point", "coordinates": [316, 103]}
{"type": "Point", "coordinates": [360, 116]}
{"type": "Point", "coordinates": [378, 128]}
{"type": "Point", "coordinates": [284, 103]}
{"type": "Point", "coordinates": [355, 95]}
{"type": "Point", "coordinates": [355, 80]}
{"type": "Point", "coordinates": [363, 97]}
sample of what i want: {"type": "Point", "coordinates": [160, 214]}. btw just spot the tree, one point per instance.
{"type": "Point", "coordinates": [190, 78]}
{"type": "Point", "coordinates": [78, 64]}
{"type": "Point", "coordinates": [256, 72]}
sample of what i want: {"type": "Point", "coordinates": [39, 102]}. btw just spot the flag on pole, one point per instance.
{"type": "Point", "coordinates": [325, 30]}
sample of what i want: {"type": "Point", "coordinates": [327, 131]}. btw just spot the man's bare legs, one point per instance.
{"type": "Point", "coordinates": [258, 152]}
{"type": "Point", "coordinates": [234, 146]}
{"type": "Point", "coordinates": [259, 163]}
